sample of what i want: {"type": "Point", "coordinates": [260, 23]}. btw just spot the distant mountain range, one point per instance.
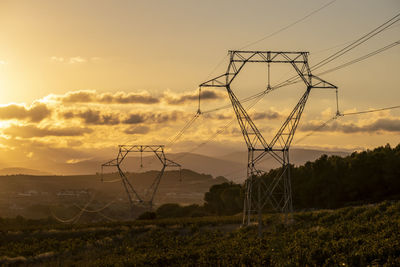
{"type": "Point", "coordinates": [231, 166]}
{"type": "Point", "coordinates": [26, 171]}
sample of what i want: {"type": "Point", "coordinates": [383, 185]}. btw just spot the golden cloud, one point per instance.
{"type": "Point", "coordinates": [95, 117]}
{"type": "Point", "coordinates": [376, 126]}
{"type": "Point", "coordinates": [98, 117]}
{"type": "Point", "coordinates": [178, 99]}
{"type": "Point", "coordinates": [35, 113]}
{"type": "Point", "coordinates": [137, 130]}
{"type": "Point", "coordinates": [29, 131]}
{"type": "Point", "coordinates": [91, 96]}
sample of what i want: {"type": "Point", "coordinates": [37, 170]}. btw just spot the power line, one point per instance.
{"type": "Point", "coordinates": [183, 130]}
{"type": "Point", "coordinates": [112, 181]}
{"type": "Point", "coordinates": [97, 210]}
{"type": "Point", "coordinates": [361, 58]}
{"type": "Point", "coordinates": [220, 131]}
{"type": "Point", "coordinates": [288, 26]}
{"type": "Point", "coordinates": [359, 41]}
{"type": "Point", "coordinates": [77, 217]}
{"type": "Point", "coordinates": [345, 43]}
{"type": "Point", "coordinates": [216, 66]}
{"type": "Point", "coordinates": [316, 129]}
{"type": "Point", "coordinates": [247, 99]}
{"type": "Point", "coordinates": [369, 111]}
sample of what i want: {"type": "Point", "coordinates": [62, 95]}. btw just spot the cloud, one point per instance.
{"type": "Point", "coordinates": [29, 131]}
{"type": "Point", "coordinates": [127, 98]}
{"type": "Point", "coordinates": [98, 117]}
{"type": "Point", "coordinates": [137, 130]}
{"type": "Point", "coordinates": [136, 118]}
{"type": "Point", "coordinates": [57, 59]}
{"type": "Point", "coordinates": [73, 60]}
{"type": "Point", "coordinates": [91, 96]}
{"type": "Point", "coordinates": [379, 125]}
{"type": "Point", "coordinates": [218, 116]}
{"type": "Point", "coordinates": [271, 115]}
{"type": "Point", "coordinates": [176, 99]}
{"type": "Point", "coordinates": [35, 113]}
{"type": "Point", "coordinates": [164, 117]}
{"type": "Point", "coordinates": [95, 117]}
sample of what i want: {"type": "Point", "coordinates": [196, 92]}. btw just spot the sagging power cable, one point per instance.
{"type": "Point", "coordinates": [346, 49]}
{"type": "Point", "coordinates": [183, 130]}
{"type": "Point", "coordinates": [75, 218]}
{"type": "Point", "coordinates": [358, 42]}
{"type": "Point", "coordinates": [369, 111]}
{"type": "Point", "coordinates": [318, 128]}
{"type": "Point", "coordinates": [380, 50]}
{"type": "Point", "coordinates": [288, 26]}
{"type": "Point", "coordinates": [97, 210]}
{"type": "Point", "coordinates": [223, 128]}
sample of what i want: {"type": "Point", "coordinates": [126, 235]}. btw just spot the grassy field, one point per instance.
{"type": "Point", "coordinates": [353, 236]}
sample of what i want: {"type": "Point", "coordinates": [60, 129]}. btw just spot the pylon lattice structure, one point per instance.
{"type": "Point", "coordinates": [133, 196]}
{"type": "Point", "coordinates": [276, 192]}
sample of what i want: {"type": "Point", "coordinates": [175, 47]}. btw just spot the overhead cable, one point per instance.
{"type": "Point", "coordinates": [289, 25]}
{"type": "Point", "coordinates": [356, 43]}
{"type": "Point", "coordinates": [380, 50]}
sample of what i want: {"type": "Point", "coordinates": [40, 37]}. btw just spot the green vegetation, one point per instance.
{"type": "Point", "coordinates": [355, 236]}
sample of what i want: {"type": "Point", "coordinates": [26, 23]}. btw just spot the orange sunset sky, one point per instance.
{"type": "Point", "coordinates": [78, 78]}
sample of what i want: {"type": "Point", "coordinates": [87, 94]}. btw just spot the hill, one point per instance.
{"type": "Point", "coordinates": [232, 165]}
{"type": "Point", "coordinates": [25, 171]}
{"type": "Point", "coordinates": [32, 196]}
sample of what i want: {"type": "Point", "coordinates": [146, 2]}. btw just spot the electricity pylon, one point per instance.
{"type": "Point", "coordinates": [133, 196]}
{"type": "Point", "coordinates": [277, 192]}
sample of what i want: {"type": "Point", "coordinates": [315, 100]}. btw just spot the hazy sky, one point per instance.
{"type": "Point", "coordinates": [77, 78]}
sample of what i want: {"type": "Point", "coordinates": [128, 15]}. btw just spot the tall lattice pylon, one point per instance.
{"type": "Point", "coordinates": [277, 192]}
{"type": "Point", "coordinates": [133, 196]}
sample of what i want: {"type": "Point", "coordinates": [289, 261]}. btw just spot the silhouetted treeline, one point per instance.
{"type": "Point", "coordinates": [328, 182]}
{"type": "Point", "coordinates": [333, 182]}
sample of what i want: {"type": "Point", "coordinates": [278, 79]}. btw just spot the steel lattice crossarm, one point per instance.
{"type": "Point", "coordinates": [278, 191]}
{"type": "Point", "coordinates": [238, 59]}
{"type": "Point", "coordinates": [133, 195]}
